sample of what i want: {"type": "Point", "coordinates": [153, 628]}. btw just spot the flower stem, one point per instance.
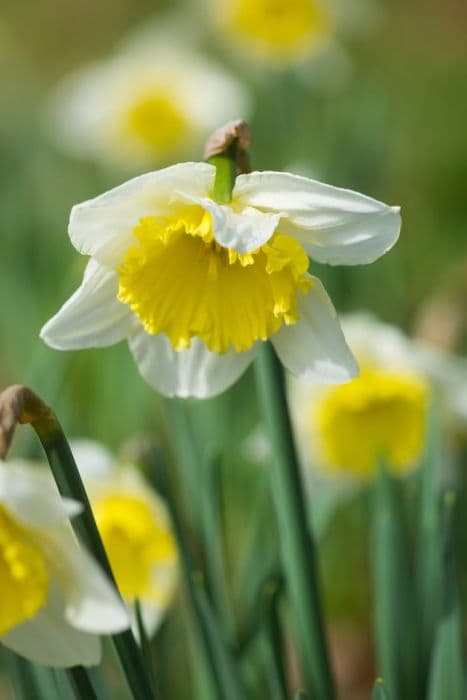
{"type": "Point", "coordinates": [19, 404]}
{"type": "Point", "coordinates": [70, 485]}
{"type": "Point", "coordinates": [225, 176]}
{"type": "Point", "coordinates": [297, 546]}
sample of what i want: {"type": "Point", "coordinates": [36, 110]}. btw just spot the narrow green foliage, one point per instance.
{"type": "Point", "coordinates": [395, 621]}
{"type": "Point", "coordinates": [429, 562]}
{"type": "Point", "coordinates": [31, 682]}
{"type": "Point", "coordinates": [379, 690]}
{"type": "Point", "coordinates": [301, 695]}
{"type": "Point", "coordinates": [273, 643]}
{"type": "Point", "coordinates": [220, 663]}
{"type": "Point", "coordinates": [447, 672]}
{"type": "Point", "coordinates": [144, 640]}
{"type": "Point", "coordinates": [70, 485]}
{"type": "Point", "coordinates": [213, 540]}
{"type": "Point", "coordinates": [81, 683]}
{"type": "Point", "coordinates": [297, 546]}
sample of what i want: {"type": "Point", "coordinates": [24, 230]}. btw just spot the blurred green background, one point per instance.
{"type": "Point", "coordinates": [394, 129]}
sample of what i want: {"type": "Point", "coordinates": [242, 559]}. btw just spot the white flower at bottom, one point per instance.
{"type": "Point", "coordinates": [55, 601]}
{"type": "Point", "coordinates": [135, 528]}
{"type": "Point", "coordinates": [195, 286]}
{"type": "Point", "coordinates": [345, 430]}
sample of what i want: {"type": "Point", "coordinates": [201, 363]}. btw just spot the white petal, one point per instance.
{"type": "Point", "coordinates": [314, 348]}
{"type": "Point", "coordinates": [334, 225]}
{"type": "Point", "coordinates": [93, 460]}
{"type": "Point", "coordinates": [243, 230]}
{"type": "Point", "coordinates": [48, 639]}
{"type": "Point", "coordinates": [192, 372]}
{"type": "Point", "coordinates": [92, 316]}
{"type": "Point", "coordinates": [30, 494]}
{"type": "Point", "coordinates": [102, 227]}
{"type": "Point", "coordinates": [92, 603]}
{"type": "Point", "coordinates": [377, 343]}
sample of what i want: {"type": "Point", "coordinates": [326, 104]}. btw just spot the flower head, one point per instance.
{"type": "Point", "coordinates": [195, 285]}
{"type": "Point", "coordinates": [384, 411]}
{"type": "Point", "coordinates": [135, 529]}
{"type": "Point", "coordinates": [276, 31]}
{"type": "Point", "coordinates": [154, 101]}
{"type": "Point", "coordinates": [55, 600]}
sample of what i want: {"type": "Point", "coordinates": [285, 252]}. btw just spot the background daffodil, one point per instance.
{"type": "Point", "coordinates": [55, 600]}
{"type": "Point", "coordinates": [154, 101]}
{"type": "Point", "coordinates": [345, 430]}
{"type": "Point", "coordinates": [195, 285]}
{"type": "Point", "coordinates": [135, 529]}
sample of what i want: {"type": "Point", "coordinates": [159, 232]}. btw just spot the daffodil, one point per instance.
{"type": "Point", "coordinates": [154, 101]}
{"type": "Point", "coordinates": [346, 430]}
{"type": "Point", "coordinates": [135, 529]}
{"type": "Point", "coordinates": [276, 32]}
{"type": "Point", "coordinates": [55, 601]}
{"type": "Point", "coordinates": [195, 286]}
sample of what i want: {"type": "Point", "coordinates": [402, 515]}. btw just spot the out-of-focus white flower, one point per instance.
{"type": "Point", "coordinates": [135, 529]}
{"type": "Point", "coordinates": [195, 286]}
{"type": "Point", "coordinates": [55, 601]}
{"type": "Point", "coordinates": [345, 430]}
{"type": "Point", "coordinates": [155, 101]}
{"type": "Point", "coordinates": [278, 34]}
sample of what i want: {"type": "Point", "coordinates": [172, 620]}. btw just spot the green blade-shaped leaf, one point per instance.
{"type": "Point", "coordinates": [379, 690]}
{"type": "Point", "coordinates": [395, 622]}
{"type": "Point", "coordinates": [31, 682]}
{"type": "Point", "coordinates": [447, 672]}
{"type": "Point", "coordinates": [429, 564]}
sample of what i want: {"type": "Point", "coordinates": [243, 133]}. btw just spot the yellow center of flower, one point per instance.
{"type": "Point", "coordinates": [136, 541]}
{"type": "Point", "coordinates": [380, 413]}
{"type": "Point", "coordinates": [280, 26]}
{"type": "Point", "coordinates": [23, 574]}
{"type": "Point", "coordinates": [156, 121]}
{"type": "Point", "coordinates": [180, 282]}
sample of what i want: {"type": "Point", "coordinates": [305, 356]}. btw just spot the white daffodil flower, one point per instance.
{"type": "Point", "coordinates": [135, 528]}
{"type": "Point", "coordinates": [344, 431]}
{"type": "Point", "coordinates": [153, 102]}
{"type": "Point", "coordinates": [55, 601]}
{"type": "Point", "coordinates": [279, 34]}
{"type": "Point", "coordinates": [196, 286]}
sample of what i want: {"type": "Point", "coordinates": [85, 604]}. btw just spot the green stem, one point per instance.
{"type": "Point", "coordinates": [70, 485]}
{"type": "Point", "coordinates": [81, 683]}
{"type": "Point", "coordinates": [220, 663]}
{"type": "Point", "coordinates": [225, 175]}
{"type": "Point", "coordinates": [297, 546]}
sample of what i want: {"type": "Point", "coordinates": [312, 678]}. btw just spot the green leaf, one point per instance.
{"type": "Point", "coordinates": [297, 545]}
{"type": "Point", "coordinates": [32, 682]}
{"type": "Point", "coordinates": [217, 654]}
{"type": "Point", "coordinates": [447, 672]}
{"type": "Point", "coordinates": [429, 561]}
{"type": "Point", "coordinates": [379, 690]}
{"type": "Point", "coordinates": [394, 600]}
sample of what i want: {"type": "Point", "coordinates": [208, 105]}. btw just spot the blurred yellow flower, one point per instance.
{"type": "Point", "coordinates": [195, 285]}
{"type": "Point", "coordinates": [154, 101]}
{"type": "Point", "coordinates": [55, 601]}
{"type": "Point", "coordinates": [135, 529]}
{"type": "Point", "coordinates": [382, 413]}
{"type": "Point", "coordinates": [277, 31]}
{"type": "Point", "coordinates": [378, 413]}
